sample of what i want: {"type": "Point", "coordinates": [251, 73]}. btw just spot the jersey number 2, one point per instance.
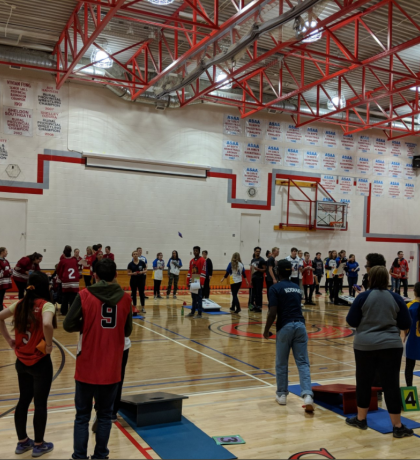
{"type": "Point", "coordinates": [109, 316]}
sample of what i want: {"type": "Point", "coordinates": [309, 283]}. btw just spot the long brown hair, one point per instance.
{"type": "Point", "coordinates": [236, 258]}
{"type": "Point", "coordinates": [24, 313]}
{"type": "Point", "coordinates": [378, 278]}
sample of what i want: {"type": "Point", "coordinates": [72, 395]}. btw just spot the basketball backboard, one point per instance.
{"type": "Point", "coordinates": [331, 215]}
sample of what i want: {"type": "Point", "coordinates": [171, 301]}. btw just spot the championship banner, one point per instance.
{"type": "Point", "coordinates": [345, 185]}
{"type": "Point", "coordinates": [362, 186]}
{"type": "Point", "coordinates": [411, 148]}
{"type": "Point", "coordinates": [293, 157]}
{"type": "Point", "coordinates": [274, 155]}
{"type": "Point", "coordinates": [329, 161]}
{"type": "Point", "coordinates": [347, 142]}
{"type": "Point", "coordinates": [48, 124]}
{"type": "Point", "coordinates": [380, 145]}
{"type": "Point", "coordinates": [17, 121]}
{"type": "Point", "coordinates": [346, 163]}
{"type": "Point", "coordinates": [394, 189]}
{"type": "Point", "coordinates": [347, 201]}
{"type": "Point", "coordinates": [252, 152]}
{"type": "Point", "coordinates": [409, 190]}
{"type": "Point", "coordinates": [232, 150]}
{"type": "Point", "coordinates": [380, 167]}
{"type": "Point", "coordinates": [251, 177]}
{"type": "Point", "coordinates": [397, 148]}
{"type": "Point", "coordinates": [329, 182]}
{"type": "Point", "coordinates": [274, 131]}
{"type": "Point", "coordinates": [364, 144]}
{"type": "Point", "coordinates": [408, 171]}
{"type": "Point", "coordinates": [378, 187]}
{"type": "Point", "coordinates": [254, 127]}
{"type": "Point", "coordinates": [232, 125]}
{"type": "Point", "coordinates": [331, 138]}
{"type": "Point", "coordinates": [310, 159]}
{"type": "Point", "coordinates": [312, 136]}
{"type": "Point", "coordinates": [49, 116]}
{"type": "Point", "coordinates": [395, 169]}
{"type": "Point", "coordinates": [3, 151]}
{"type": "Point", "coordinates": [364, 165]}
{"type": "Point", "coordinates": [18, 93]}
{"type": "Point", "coordinates": [293, 134]}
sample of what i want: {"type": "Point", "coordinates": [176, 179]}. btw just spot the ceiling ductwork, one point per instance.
{"type": "Point", "coordinates": [41, 59]}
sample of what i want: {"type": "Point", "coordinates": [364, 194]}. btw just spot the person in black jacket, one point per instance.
{"type": "Point", "coordinates": [209, 274]}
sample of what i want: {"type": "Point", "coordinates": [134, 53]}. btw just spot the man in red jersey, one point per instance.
{"type": "Point", "coordinates": [108, 254]}
{"type": "Point", "coordinates": [102, 313]}
{"type": "Point", "coordinates": [68, 272]}
{"type": "Point", "coordinates": [197, 272]}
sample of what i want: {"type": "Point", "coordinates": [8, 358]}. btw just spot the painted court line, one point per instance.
{"type": "Point", "coordinates": [64, 348]}
{"type": "Point", "coordinates": [203, 354]}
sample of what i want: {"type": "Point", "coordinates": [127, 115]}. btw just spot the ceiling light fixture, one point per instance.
{"type": "Point", "coordinates": [100, 58]}
{"type": "Point", "coordinates": [221, 76]}
{"type": "Point", "coordinates": [314, 36]}
{"type": "Point", "coordinates": [336, 103]}
{"type": "Point", "coordinates": [161, 2]}
{"type": "Point", "coordinates": [130, 30]}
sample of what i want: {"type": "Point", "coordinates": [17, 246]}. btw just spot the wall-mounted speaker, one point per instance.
{"type": "Point", "coordinates": [416, 162]}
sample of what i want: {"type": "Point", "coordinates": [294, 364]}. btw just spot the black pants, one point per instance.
{"type": "Point", "coordinates": [235, 300]}
{"type": "Point", "coordinates": [269, 283]}
{"type": "Point", "coordinates": [352, 281]}
{"type": "Point", "coordinates": [404, 283]}
{"type": "Point", "coordinates": [410, 364]}
{"type": "Point", "coordinates": [337, 281]}
{"type": "Point", "coordinates": [2, 294]}
{"type": "Point", "coordinates": [88, 280]}
{"type": "Point", "coordinates": [318, 284]}
{"type": "Point", "coordinates": [309, 291]}
{"type": "Point", "coordinates": [137, 283]}
{"type": "Point", "coordinates": [21, 285]}
{"type": "Point", "coordinates": [104, 396]}
{"type": "Point", "coordinates": [257, 288]}
{"type": "Point", "coordinates": [68, 299]}
{"type": "Point", "coordinates": [156, 288]}
{"type": "Point", "coordinates": [206, 289]}
{"type": "Point", "coordinates": [34, 383]}
{"type": "Point", "coordinates": [387, 363]}
{"type": "Point", "coordinates": [329, 286]}
{"type": "Point", "coordinates": [117, 401]}
{"type": "Point", "coordinates": [295, 280]}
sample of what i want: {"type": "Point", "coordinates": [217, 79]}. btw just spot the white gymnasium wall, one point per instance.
{"type": "Point", "coordinates": [125, 210]}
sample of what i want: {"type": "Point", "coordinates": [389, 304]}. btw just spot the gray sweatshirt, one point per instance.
{"type": "Point", "coordinates": [378, 317]}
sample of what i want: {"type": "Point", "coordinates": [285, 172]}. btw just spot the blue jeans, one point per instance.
{"type": "Point", "coordinates": [197, 302]}
{"type": "Point", "coordinates": [292, 336]}
{"type": "Point", "coordinates": [393, 284]}
{"type": "Point", "coordinates": [104, 402]}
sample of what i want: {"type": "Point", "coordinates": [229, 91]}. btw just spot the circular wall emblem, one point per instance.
{"type": "Point", "coordinates": [254, 330]}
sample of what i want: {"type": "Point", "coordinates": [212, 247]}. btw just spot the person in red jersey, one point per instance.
{"type": "Point", "coordinates": [197, 272]}
{"type": "Point", "coordinates": [68, 272]}
{"type": "Point", "coordinates": [102, 313]}
{"type": "Point", "coordinates": [87, 263]}
{"type": "Point", "coordinates": [34, 322]}
{"type": "Point", "coordinates": [308, 280]}
{"type": "Point", "coordinates": [108, 254]}
{"type": "Point", "coordinates": [5, 275]}
{"type": "Point", "coordinates": [76, 253]}
{"type": "Point", "coordinates": [23, 269]}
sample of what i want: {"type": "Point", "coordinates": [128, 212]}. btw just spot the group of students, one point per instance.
{"type": "Point", "coordinates": [379, 316]}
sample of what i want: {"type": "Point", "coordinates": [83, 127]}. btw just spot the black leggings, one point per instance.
{"type": "Point", "coordinates": [410, 364]}
{"type": "Point", "coordinates": [235, 300]}
{"type": "Point", "coordinates": [156, 288]}
{"type": "Point", "coordinates": [68, 299]}
{"type": "Point", "coordinates": [88, 280]}
{"type": "Point", "coordinates": [387, 363]}
{"type": "Point", "coordinates": [117, 401]}
{"type": "Point", "coordinates": [329, 283]}
{"type": "Point", "coordinates": [352, 281]}
{"type": "Point", "coordinates": [318, 284]}
{"type": "Point", "coordinates": [21, 285]}
{"type": "Point", "coordinates": [34, 383]}
{"type": "Point", "coordinates": [137, 282]}
{"type": "Point", "coordinates": [337, 282]}
{"type": "Point", "coordinates": [2, 294]}
{"type": "Point", "coordinates": [309, 291]}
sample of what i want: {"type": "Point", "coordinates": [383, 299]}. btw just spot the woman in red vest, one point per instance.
{"type": "Point", "coordinates": [23, 269]}
{"type": "Point", "coordinates": [34, 321]}
{"type": "Point", "coordinates": [5, 275]}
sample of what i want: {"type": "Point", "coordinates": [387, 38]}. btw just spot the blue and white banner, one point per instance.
{"type": "Point", "coordinates": [292, 157]}
{"type": "Point", "coordinates": [408, 190]}
{"type": "Point", "coordinates": [252, 152]}
{"type": "Point", "coordinates": [232, 125]}
{"type": "Point", "coordinates": [395, 168]}
{"type": "Point", "coordinates": [380, 167]}
{"type": "Point", "coordinates": [394, 189]}
{"type": "Point", "coordinates": [274, 154]}
{"type": "Point", "coordinates": [345, 185]}
{"type": "Point", "coordinates": [362, 186]}
{"type": "Point", "coordinates": [311, 159]}
{"type": "Point", "coordinates": [380, 145]}
{"type": "Point", "coordinates": [254, 127]}
{"type": "Point", "coordinates": [331, 138]}
{"type": "Point", "coordinates": [378, 187]}
{"type": "Point", "coordinates": [364, 165]}
{"type": "Point", "coordinates": [274, 131]}
{"type": "Point", "coordinates": [364, 143]}
{"type": "Point", "coordinates": [232, 150]}
{"type": "Point", "coordinates": [312, 136]}
{"type": "Point", "coordinates": [329, 161]}
{"type": "Point", "coordinates": [251, 177]}
{"type": "Point", "coordinates": [293, 134]}
{"type": "Point", "coordinates": [346, 163]}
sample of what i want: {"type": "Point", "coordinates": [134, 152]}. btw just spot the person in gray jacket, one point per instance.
{"type": "Point", "coordinates": [378, 316]}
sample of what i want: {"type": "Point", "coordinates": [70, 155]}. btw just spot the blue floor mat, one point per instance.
{"type": "Point", "coordinates": [138, 317]}
{"type": "Point", "coordinates": [377, 420]}
{"type": "Point", "coordinates": [210, 312]}
{"type": "Point", "coordinates": [179, 440]}
{"type": "Point", "coordinates": [417, 373]}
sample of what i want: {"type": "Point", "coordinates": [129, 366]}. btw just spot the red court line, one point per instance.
{"type": "Point", "coordinates": [142, 450]}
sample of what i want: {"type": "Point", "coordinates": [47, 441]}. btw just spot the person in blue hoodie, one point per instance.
{"type": "Point", "coordinates": [412, 349]}
{"type": "Point", "coordinates": [352, 269]}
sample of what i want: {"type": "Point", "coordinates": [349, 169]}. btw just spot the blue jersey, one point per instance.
{"type": "Point", "coordinates": [352, 269]}
{"type": "Point", "coordinates": [412, 348]}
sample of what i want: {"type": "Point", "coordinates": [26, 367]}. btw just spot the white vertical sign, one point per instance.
{"type": "Point", "coordinates": [251, 177]}
{"type": "Point", "coordinates": [397, 148]}
{"type": "Point", "coordinates": [329, 182]}
{"type": "Point", "coordinates": [274, 131]}
{"type": "Point", "coordinates": [408, 170]}
{"type": "Point", "coordinates": [310, 159]}
{"type": "Point", "coordinates": [362, 186]}
{"type": "Point", "coordinates": [329, 161]}
{"type": "Point", "coordinates": [378, 187]}
{"type": "Point", "coordinates": [331, 138]}
{"type": "Point", "coordinates": [252, 152]}
{"type": "Point", "coordinates": [395, 168]}
{"type": "Point", "coordinates": [232, 125]}
{"type": "Point", "coordinates": [380, 145]}
{"type": "Point", "coordinates": [380, 167]}
{"type": "Point", "coordinates": [312, 135]}
{"type": "Point", "coordinates": [409, 190]}
{"type": "Point", "coordinates": [293, 134]}
{"type": "Point", "coordinates": [394, 189]}
{"type": "Point", "coordinates": [347, 142]}
{"type": "Point", "coordinates": [411, 148]}
{"type": "Point", "coordinates": [17, 121]}
{"type": "Point", "coordinates": [292, 157]}
{"type": "Point", "coordinates": [19, 94]}
{"type": "Point", "coordinates": [254, 127]}
{"type": "Point", "coordinates": [345, 185]}
{"type": "Point", "coordinates": [274, 155]}
{"type": "Point", "coordinates": [3, 151]}
{"type": "Point", "coordinates": [364, 143]}
{"type": "Point", "coordinates": [364, 165]}
{"type": "Point", "coordinates": [232, 150]}
{"type": "Point", "coordinates": [346, 163]}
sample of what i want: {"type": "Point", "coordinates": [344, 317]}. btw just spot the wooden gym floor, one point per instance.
{"type": "Point", "coordinates": [227, 370]}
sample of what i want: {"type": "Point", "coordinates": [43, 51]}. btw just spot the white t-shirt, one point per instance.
{"type": "Point", "coordinates": [173, 268]}
{"type": "Point", "coordinates": [237, 275]}
{"type": "Point", "coordinates": [296, 263]}
{"type": "Point", "coordinates": [333, 265]}
{"type": "Point", "coordinates": [158, 272]}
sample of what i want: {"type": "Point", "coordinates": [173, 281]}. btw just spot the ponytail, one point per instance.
{"type": "Point", "coordinates": [38, 288]}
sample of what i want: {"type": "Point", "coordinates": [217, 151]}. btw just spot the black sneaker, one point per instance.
{"type": "Point", "coordinates": [238, 310]}
{"type": "Point", "coordinates": [402, 432]}
{"type": "Point", "coordinates": [356, 423]}
{"type": "Point", "coordinates": [232, 309]}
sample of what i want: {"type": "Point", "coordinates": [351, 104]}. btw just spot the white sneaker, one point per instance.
{"type": "Point", "coordinates": [282, 400]}
{"type": "Point", "coordinates": [309, 403]}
